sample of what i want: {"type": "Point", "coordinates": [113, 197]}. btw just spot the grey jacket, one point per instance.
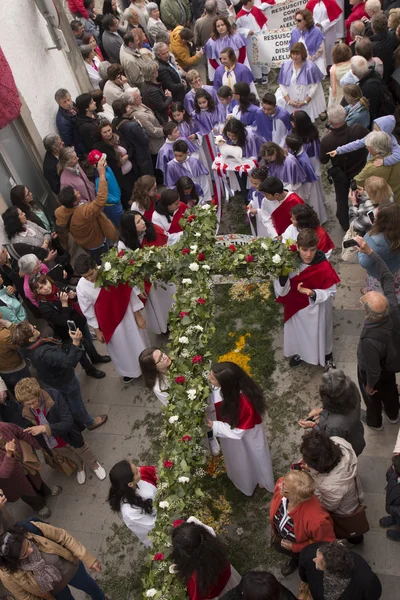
{"type": "Point", "coordinates": [151, 124]}
{"type": "Point", "coordinates": [112, 42]}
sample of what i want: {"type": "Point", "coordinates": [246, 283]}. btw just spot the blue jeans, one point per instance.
{"type": "Point", "coordinates": [11, 379]}
{"type": "Point", "coordinates": [73, 397]}
{"type": "Point", "coordinates": [82, 581]}
{"type": "Point", "coordinates": [97, 252]}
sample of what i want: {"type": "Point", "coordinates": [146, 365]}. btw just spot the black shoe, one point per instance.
{"type": "Point", "coordinates": [363, 418]}
{"type": "Point", "coordinates": [329, 364]}
{"type": "Point", "coordinates": [93, 372]}
{"type": "Point", "coordinates": [393, 535]}
{"type": "Point", "coordinates": [295, 361]}
{"type": "Point", "coordinates": [128, 379]}
{"type": "Point", "coordinates": [98, 358]}
{"type": "Point", "coordinates": [290, 567]}
{"type": "Point", "coordinates": [387, 521]}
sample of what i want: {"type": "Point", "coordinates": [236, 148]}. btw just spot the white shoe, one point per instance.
{"type": "Point", "coordinates": [100, 472]}
{"type": "Point", "coordinates": [81, 476]}
{"type": "Point", "coordinates": [214, 446]}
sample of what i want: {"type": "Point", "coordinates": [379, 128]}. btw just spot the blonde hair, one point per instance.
{"type": "Point", "coordinates": [395, 14]}
{"type": "Point", "coordinates": [192, 74]}
{"type": "Point", "coordinates": [301, 485]}
{"type": "Point", "coordinates": [378, 189]}
{"type": "Point", "coordinates": [27, 389]}
{"type": "Point", "coordinates": [352, 91]}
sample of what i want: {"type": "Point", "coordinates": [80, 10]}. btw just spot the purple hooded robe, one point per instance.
{"type": "Point", "coordinates": [304, 161]}
{"type": "Point", "coordinates": [290, 172]}
{"type": "Point", "coordinates": [252, 145]}
{"type": "Point", "coordinates": [174, 170]}
{"type": "Point", "coordinates": [213, 48]}
{"type": "Point", "coordinates": [313, 38]}
{"type": "Point", "coordinates": [189, 97]}
{"type": "Point", "coordinates": [206, 120]}
{"type": "Point", "coordinates": [166, 152]}
{"type": "Point", "coordinates": [242, 73]}
{"type": "Point", "coordinates": [265, 124]}
{"type": "Point", "coordinates": [309, 73]}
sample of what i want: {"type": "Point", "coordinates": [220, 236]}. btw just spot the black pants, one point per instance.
{"type": "Point", "coordinates": [38, 501]}
{"type": "Point", "coordinates": [342, 186]}
{"type": "Point", "coordinates": [276, 544]}
{"type": "Point", "coordinates": [386, 396]}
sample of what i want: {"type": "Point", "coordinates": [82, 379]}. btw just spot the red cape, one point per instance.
{"type": "Point", "coordinates": [161, 240]}
{"type": "Point", "coordinates": [320, 276]}
{"type": "Point", "coordinates": [257, 14]}
{"type": "Point", "coordinates": [332, 8]}
{"type": "Point", "coordinates": [148, 474]}
{"type": "Point", "coordinates": [281, 215]}
{"type": "Point", "coordinates": [110, 308]}
{"type": "Point", "coordinates": [248, 416]}
{"type": "Point", "coordinates": [325, 243]}
{"type": "Point", "coordinates": [175, 227]}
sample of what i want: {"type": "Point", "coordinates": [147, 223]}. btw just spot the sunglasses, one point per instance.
{"type": "Point", "coordinates": [299, 20]}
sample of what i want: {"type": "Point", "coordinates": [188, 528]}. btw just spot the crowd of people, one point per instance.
{"type": "Point", "coordinates": [174, 119]}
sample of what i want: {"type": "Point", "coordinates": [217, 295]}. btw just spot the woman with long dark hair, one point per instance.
{"type": "Point", "coordinates": [22, 198]}
{"type": "Point", "coordinates": [168, 211]}
{"type": "Point", "coordinates": [283, 166]}
{"type": "Point", "coordinates": [155, 365]}
{"type": "Point", "coordinates": [237, 134]}
{"type": "Point", "coordinates": [138, 232]}
{"type": "Point", "coordinates": [189, 192]}
{"type": "Point", "coordinates": [201, 562]}
{"type": "Point", "coordinates": [305, 129]}
{"type": "Point", "coordinates": [247, 105]}
{"type": "Point", "coordinates": [239, 405]}
{"type": "Point", "coordinates": [132, 493]}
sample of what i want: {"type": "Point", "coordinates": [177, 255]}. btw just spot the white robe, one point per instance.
{"type": "Point", "coordinates": [139, 522]}
{"type": "Point", "coordinates": [161, 388]}
{"type": "Point", "coordinates": [263, 230]}
{"type": "Point", "coordinates": [265, 216]}
{"type": "Point", "coordinates": [320, 15]}
{"type": "Point", "coordinates": [309, 333]}
{"type": "Point", "coordinates": [246, 454]}
{"type": "Point", "coordinates": [292, 232]}
{"type": "Point", "coordinates": [297, 93]}
{"type": "Point", "coordinates": [245, 24]}
{"type": "Point", "coordinates": [128, 340]}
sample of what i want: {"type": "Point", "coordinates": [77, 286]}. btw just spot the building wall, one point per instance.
{"type": "Point", "coordinates": [37, 73]}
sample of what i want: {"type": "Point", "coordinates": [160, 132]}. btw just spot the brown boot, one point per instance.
{"type": "Point", "coordinates": [98, 422]}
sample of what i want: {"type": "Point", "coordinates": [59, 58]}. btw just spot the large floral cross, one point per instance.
{"type": "Point", "coordinates": [191, 265]}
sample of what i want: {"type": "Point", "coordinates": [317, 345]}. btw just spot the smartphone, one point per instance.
{"type": "Point", "coordinates": [371, 215]}
{"type": "Point", "coordinates": [296, 466]}
{"type": "Point", "coordinates": [349, 243]}
{"type": "Point", "coordinates": [71, 326]}
{"type": "Point", "coordinates": [103, 156]}
{"type": "Point", "coordinates": [353, 185]}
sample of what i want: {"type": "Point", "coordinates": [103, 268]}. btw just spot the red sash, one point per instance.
{"type": "Point", "coordinates": [110, 308]}
{"type": "Point", "coordinates": [258, 14]}
{"type": "Point", "coordinates": [281, 215]}
{"type": "Point", "coordinates": [149, 475]}
{"type": "Point", "coordinates": [332, 8]}
{"type": "Point", "coordinates": [175, 227]}
{"type": "Point", "coordinates": [320, 276]}
{"type": "Point", "coordinates": [149, 212]}
{"type": "Point", "coordinates": [161, 240]}
{"type": "Point", "coordinates": [248, 416]}
{"type": "Point", "coordinates": [325, 243]}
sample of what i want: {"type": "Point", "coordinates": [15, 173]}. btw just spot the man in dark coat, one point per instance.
{"type": "Point", "coordinates": [168, 75]}
{"type": "Point", "coordinates": [111, 39]}
{"type": "Point", "coordinates": [393, 497]}
{"type": "Point", "coordinates": [383, 44]}
{"type": "Point", "coordinates": [86, 120]}
{"type": "Point", "coordinates": [53, 144]}
{"type": "Point", "coordinates": [134, 136]}
{"type": "Point", "coordinates": [66, 121]}
{"type": "Point", "coordinates": [372, 86]}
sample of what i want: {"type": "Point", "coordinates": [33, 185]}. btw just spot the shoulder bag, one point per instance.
{"type": "Point", "coordinates": [354, 525]}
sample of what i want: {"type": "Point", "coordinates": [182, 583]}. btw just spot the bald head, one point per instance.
{"type": "Point", "coordinates": [376, 306]}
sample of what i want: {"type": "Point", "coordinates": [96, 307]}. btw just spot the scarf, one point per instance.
{"type": "Point", "coordinates": [228, 71]}
{"type": "Point", "coordinates": [41, 417]}
{"type": "Point", "coordinates": [53, 297]}
{"type": "Point", "coordinates": [45, 575]}
{"type": "Point", "coordinates": [75, 170]}
{"type": "Point", "coordinates": [334, 586]}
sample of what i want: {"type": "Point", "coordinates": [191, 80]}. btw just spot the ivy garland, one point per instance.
{"type": "Point", "coordinates": [190, 264]}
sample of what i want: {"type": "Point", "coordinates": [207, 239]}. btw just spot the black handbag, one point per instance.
{"type": "Point", "coordinates": [354, 525]}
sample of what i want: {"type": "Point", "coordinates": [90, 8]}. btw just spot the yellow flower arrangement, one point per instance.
{"type": "Point", "coordinates": [237, 356]}
{"type": "Point", "coordinates": [215, 466]}
{"type": "Point", "coordinates": [220, 522]}
{"type": "Point", "coordinates": [242, 291]}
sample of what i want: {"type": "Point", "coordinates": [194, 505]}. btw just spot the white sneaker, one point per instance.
{"type": "Point", "coordinates": [100, 472]}
{"type": "Point", "coordinates": [81, 476]}
{"type": "Point", "coordinates": [214, 446]}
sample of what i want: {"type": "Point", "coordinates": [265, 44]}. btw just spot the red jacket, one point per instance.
{"type": "Point", "coordinates": [77, 6]}
{"type": "Point", "coordinates": [312, 522]}
{"type": "Point", "coordinates": [357, 13]}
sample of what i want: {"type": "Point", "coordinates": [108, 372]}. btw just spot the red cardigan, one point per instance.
{"type": "Point", "coordinates": [357, 13]}
{"type": "Point", "coordinates": [312, 522]}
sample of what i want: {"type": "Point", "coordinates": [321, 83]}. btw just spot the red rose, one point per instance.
{"type": "Point", "coordinates": [249, 258]}
{"type": "Point", "coordinates": [232, 248]}
{"type": "Point", "coordinates": [293, 248]}
{"type": "Point", "coordinates": [201, 301]}
{"type": "Point", "coordinates": [183, 314]}
{"type": "Point", "coordinates": [180, 379]}
{"type": "Point", "coordinates": [191, 218]}
{"type": "Point", "coordinates": [214, 201]}
{"type": "Point", "coordinates": [177, 522]}
{"type": "Point", "coordinates": [158, 556]}
{"type": "Point", "coordinates": [121, 253]}
{"type": "Point", "coordinates": [131, 262]}
{"type": "Point", "coordinates": [186, 438]}
{"type": "Point", "coordinates": [168, 464]}
{"type": "Point", "coordinates": [197, 359]}
{"type": "Point", "coordinates": [186, 251]}
{"type": "Point", "coordinates": [200, 256]}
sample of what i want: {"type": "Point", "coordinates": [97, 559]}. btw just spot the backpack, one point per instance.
{"type": "Point", "coordinates": [387, 105]}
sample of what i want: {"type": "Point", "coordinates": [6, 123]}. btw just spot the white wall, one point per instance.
{"type": "Point", "coordinates": [37, 73]}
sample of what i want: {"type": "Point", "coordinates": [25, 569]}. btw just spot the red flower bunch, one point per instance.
{"type": "Point", "coordinates": [158, 556]}
{"type": "Point", "coordinates": [186, 251]}
{"type": "Point", "coordinates": [186, 438]}
{"type": "Point", "coordinates": [200, 256]}
{"type": "Point", "coordinates": [180, 379]}
{"type": "Point", "coordinates": [131, 261]}
{"type": "Point", "coordinates": [121, 253]}
{"type": "Point", "coordinates": [200, 301]}
{"type": "Point", "coordinates": [191, 218]}
{"type": "Point", "coordinates": [168, 464]}
{"type": "Point", "coordinates": [214, 201]}
{"type": "Point", "coordinates": [232, 248]}
{"type": "Point", "coordinates": [293, 248]}
{"type": "Point", "coordinates": [197, 359]}
{"type": "Point", "coordinates": [183, 314]}
{"type": "Point", "coordinates": [177, 522]}
{"type": "Point", "coordinates": [249, 258]}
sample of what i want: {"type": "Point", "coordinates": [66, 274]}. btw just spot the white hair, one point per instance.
{"type": "Point", "coordinates": [158, 46]}
{"type": "Point", "coordinates": [380, 142]}
{"type": "Point", "coordinates": [372, 7]}
{"type": "Point", "coordinates": [28, 263]}
{"type": "Point", "coordinates": [153, 6]}
{"type": "Point", "coordinates": [336, 115]}
{"type": "Point", "coordinates": [128, 12]}
{"type": "Point", "coordinates": [359, 66]}
{"type": "Point", "coordinates": [129, 93]}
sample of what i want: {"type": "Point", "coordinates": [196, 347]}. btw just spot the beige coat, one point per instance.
{"type": "Point", "coordinates": [57, 541]}
{"type": "Point", "coordinates": [132, 63]}
{"type": "Point", "coordinates": [340, 490]}
{"type": "Point", "coordinates": [112, 91]}
{"type": "Point", "coordinates": [151, 124]}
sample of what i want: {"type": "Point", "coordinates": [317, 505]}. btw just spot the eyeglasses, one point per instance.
{"type": "Point", "coordinates": [299, 20]}
{"type": "Point", "coordinates": [163, 356]}
{"type": "Point", "coordinates": [5, 548]}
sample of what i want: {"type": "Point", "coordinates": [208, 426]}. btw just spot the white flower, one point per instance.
{"type": "Point", "coordinates": [159, 265]}
{"type": "Point", "coordinates": [205, 207]}
{"type": "Point", "coordinates": [163, 504]}
{"type": "Point", "coordinates": [194, 247]}
{"type": "Point", "coordinates": [197, 234]}
{"type": "Point", "coordinates": [187, 280]}
{"type": "Point", "coordinates": [276, 259]}
{"type": "Point", "coordinates": [107, 266]}
{"type": "Point", "coordinates": [198, 327]}
{"type": "Point", "coordinates": [173, 419]}
{"type": "Point", "coordinates": [172, 569]}
{"type": "Point", "coordinates": [264, 246]}
{"type": "Point", "coordinates": [183, 340]}
{"type": "Point", "coordinates": [191, 394]}
{"type": "Point", "coordinates": [151, 592]}
{"type": "Point", "coordinates": [194, 267]}
{"type": "Point", "coordinates": [240, 531]}
{"type": "Point", "coordinates": [185, 353]}
{"type": "Point", "coordinates": [206, 267]}
{"type": "Point", "coordinates": [183, 479]}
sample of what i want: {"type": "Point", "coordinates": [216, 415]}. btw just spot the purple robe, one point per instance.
{"type": "Point", "coordinates": [290, 172]}
{"type": "Point", "coordinates": [186, 129]}
{"type": "Point", "coordinates": [189, 97]}
{"type": "Point", "coordinates": [166, 152]}
{"type": "Point", "coordinates": [265, 125]}
{"type": "Point", "coordinates": [313, 38]}
{"type": "Point", "coordinates": [253, 193]}
{"type": "Point", "coordinates": [199, 191]}
{"type": "Point", "coordinates": [175, 170]}
{"type": "Point", "coordinates": [242, 73]}
{"type": "Point", "coordinates": [304, 161]}
{"type": "Point", "coordinates": [248, 117]}
{"type": "Point", "coordinates": [309, 73]}
{"type": "Point", "coordinates": [206, 120]}
{"type": "Point", "coordinates": [213, 48]}
{"type": "Point", "coordinates": [252, 145]}
{"type": "Point", "coordinates": [313, 148]}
